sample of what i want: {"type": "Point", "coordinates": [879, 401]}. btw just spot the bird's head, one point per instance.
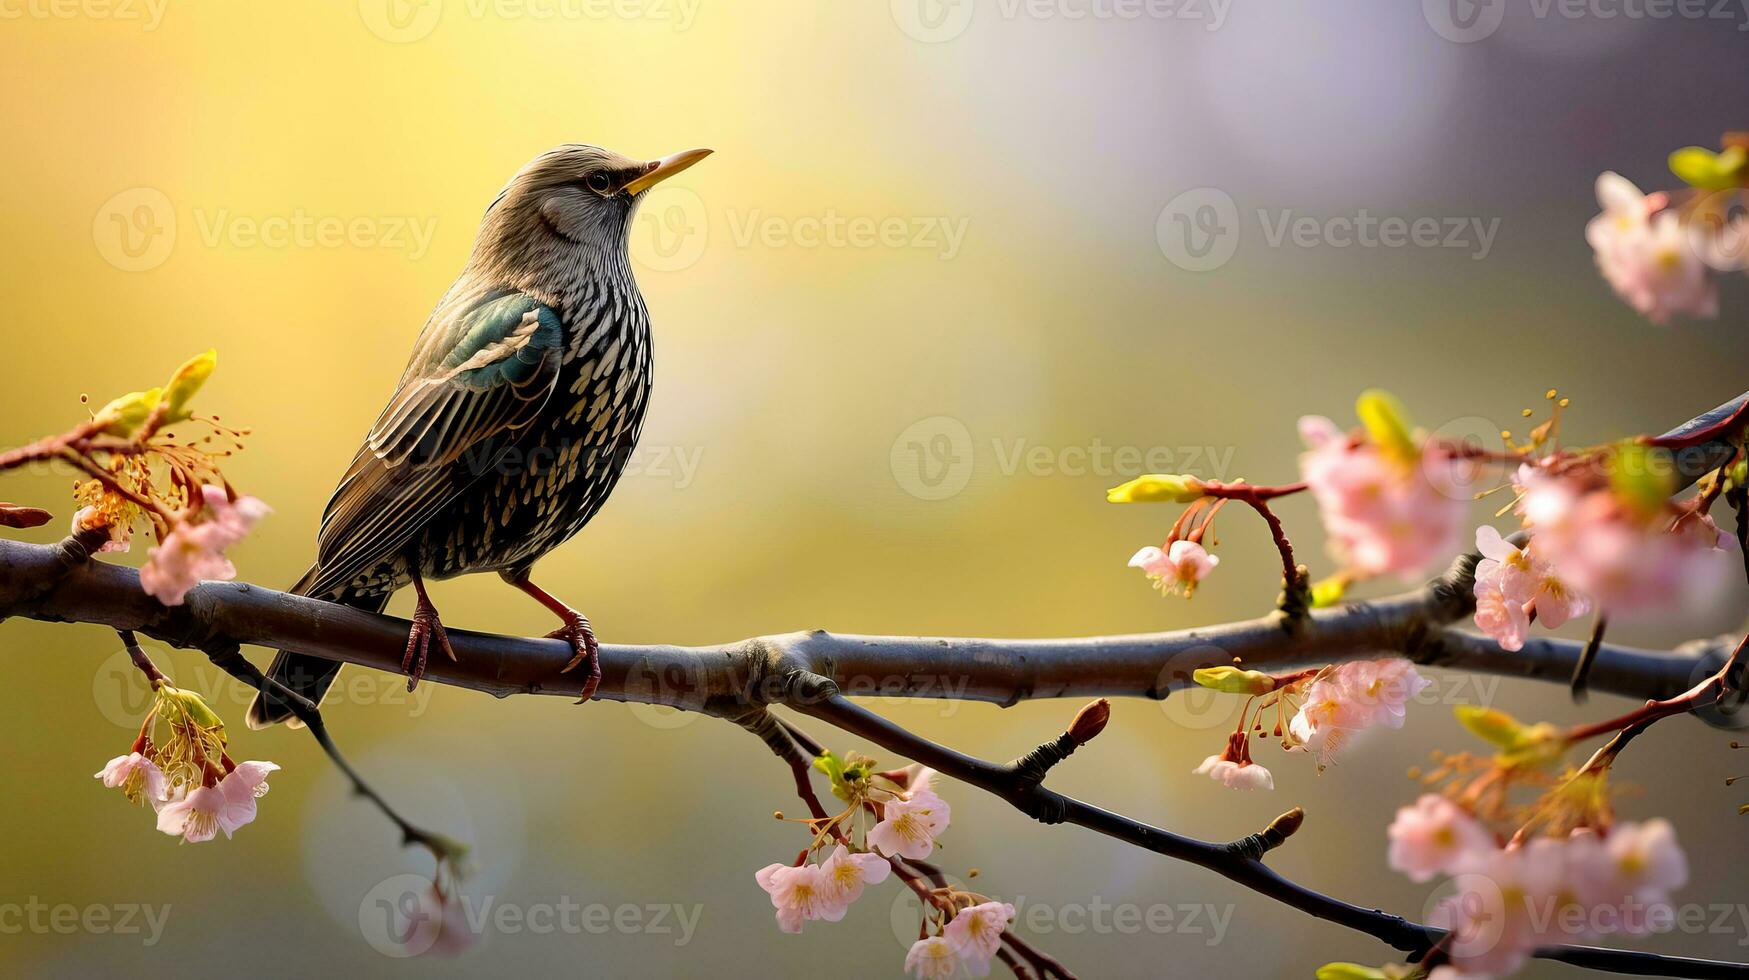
{"type": "Point", "coordinates": [570, 208]}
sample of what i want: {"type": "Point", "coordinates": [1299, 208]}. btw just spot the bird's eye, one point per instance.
{"type": "Point", "coordinates": [599, 182]}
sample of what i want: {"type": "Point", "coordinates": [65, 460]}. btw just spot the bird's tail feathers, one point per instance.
{"type": "Point", "coordinates": [305, 675]}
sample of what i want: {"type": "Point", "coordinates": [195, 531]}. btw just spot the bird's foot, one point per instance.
{"type": "Point", "coordinates": [581, 636]}
{"type": "Point", "coordinates": [426, 628]}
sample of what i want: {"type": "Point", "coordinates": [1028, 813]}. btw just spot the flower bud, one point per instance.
{"type": "Point", "coordinates": [1090, 721]}
{"type": "Point", "coordinates": [185, 382]}
{"type": "Point", "coordinates": [1157, 488]}
{"type": "Point", "coordinates": [1232, 680]}
{"type": "Point", "coordinates": [124, 416]}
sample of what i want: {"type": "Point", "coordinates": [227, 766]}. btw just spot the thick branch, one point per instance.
{"type": "Point", "coordinates": [50, 583]}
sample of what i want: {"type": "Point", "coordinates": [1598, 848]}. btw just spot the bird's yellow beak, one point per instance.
{"type": "Point", "coordinates": [665, 168]}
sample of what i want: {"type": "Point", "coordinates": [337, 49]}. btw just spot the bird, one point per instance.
{"type": "Point", "coordinates": [515, 417]}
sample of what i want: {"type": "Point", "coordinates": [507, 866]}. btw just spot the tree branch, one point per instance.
{"type": "Point", "coordinates": [53, 584]}
{"type": "Point", "coordinates": [813, 672]}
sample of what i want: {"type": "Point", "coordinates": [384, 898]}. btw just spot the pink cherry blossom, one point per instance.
{"type": "Point", "coordinates": [976, 933]}
{"type": "Point", "coordinates": [1599, 550]}
{"type": "Point", "coordinates": [1634, 868]}
{"type": "Point", "coordinates": [1436, 836]}
{"type": "Point", "coordinates": [194, 816]}
{"type": "Point", "coordinates": [1503, 560]}
{"type": "Point", "coordinates": [1647, 255]}
{"type": "Point", "coordinates": [1499, 614]}
{"type": "Point", "coordinates": [242, 786]}
{"type": "Point", "coordinates": [933, 958]}
{"type": "Point", "coordinates": [1512, 582]}
{"type": "Point", "coordinates": [194, 551]}
{"type": "Point", "coordinates": [909, 827]}
{"type": "Point", "coordinates": [1507, 904]}
{"type": "Point", "coordinates": [138, 777]}
{"type": "Point", "coordinates": [844, 874]}
{"type": "Point", "coordinates": [799, 894]}
{"type": "Point", "coordinates": [1177, 569]}
{"type": "Point", "coordinates": [1241, 774]}
{"type": "Point", "coordinates": [1354, 696]}
{"type": "Point", "coordinates": [1383, 515]}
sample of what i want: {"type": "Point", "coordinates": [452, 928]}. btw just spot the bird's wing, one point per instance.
{"type": "Point", "coordinates": [479, 376]}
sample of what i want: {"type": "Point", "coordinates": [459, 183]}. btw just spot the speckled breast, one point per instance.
{"type": "Point", "coordinates": [562, 469]}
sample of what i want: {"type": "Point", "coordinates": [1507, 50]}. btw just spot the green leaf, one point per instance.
{"type": "Point", "coordinates": [1642, 476]}
{"type": "Point", "coordinates": [1702, 168]}
{"type": "Point", "coordinates": [1491, 725]}
{"type": "Point", "coordinates": [831, 765]}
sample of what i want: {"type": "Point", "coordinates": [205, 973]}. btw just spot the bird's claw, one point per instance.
{"type": "Point", "coordinates": [581, 636]}
{"type": "Point", "coordinates": [426, 627]}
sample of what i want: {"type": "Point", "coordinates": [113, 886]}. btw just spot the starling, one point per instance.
{"type": "Point", "coordinates": [517, 413]}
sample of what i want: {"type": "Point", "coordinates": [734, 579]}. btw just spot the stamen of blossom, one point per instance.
{"type": "Point", "coordinates": [1177, 569]}
{"type": "Point", "coordinates": [909, 826]}
{"type": "Point", "coordinates": [844, 874]}
{"type": "Point", "coordinates": [194, 816]}
{"type": "Point", "coordinates": [194, 551]}
{"type": "Point", "coordinates": [121, 536]}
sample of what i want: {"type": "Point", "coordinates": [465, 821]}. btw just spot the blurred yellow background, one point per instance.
{"type": "Point", "coordinates": [905, 435]}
